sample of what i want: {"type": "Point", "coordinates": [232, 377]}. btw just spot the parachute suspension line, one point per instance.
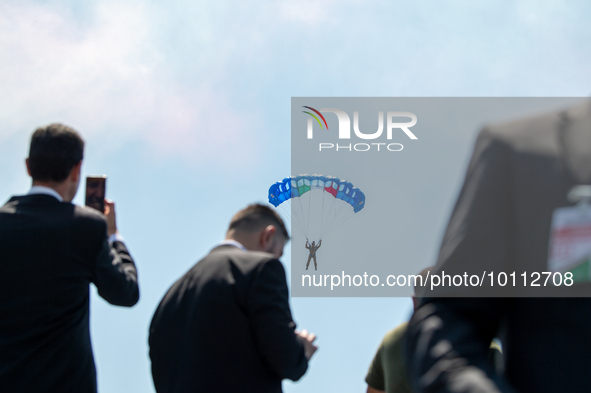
{"type": "Point", "coordinates": [350, 214]}
{"type": "Point", "coordinates": [309, 201]}
{"type": "Point", "coordinates": [339, 218]}
{"type": "Point", "coordinates": [331, 217]}
{"type": "Point", "coordinates": [299, 215]}
{"type": "Point", "coordinates": [331, 208]}
{"type": "Point", "coordinates": [286, 215]}
{"type": "Point", "coordinates": [330, 223]}
{"type": "Point", "coordinates": [302, 214]}
{"type": "Point", "coordinates": [322, 212]}
{"type": "Point", "coordinates": [334, 213]}
{"type": "Point", "coordinates": [328, 217]}
{"type": "Point", "coordinates": [340, 209]}
{"type": "Point", "coordinates": [292, 213]}
{"type": "Point", "coordinates": [292, 218]}
{"type": "Point", "coordinates": [341, 222]}
{"type": "Point", "coordinates": [306, 212]}
{"type": "Point", "coordinates": [326, 205]}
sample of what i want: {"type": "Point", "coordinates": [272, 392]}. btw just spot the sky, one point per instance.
{"type": "Point", "coordinates": [186, 108]}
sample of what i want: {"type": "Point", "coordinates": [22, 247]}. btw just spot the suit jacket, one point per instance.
{"type": "Point", "coordinates": [50, 252]}
{"type": "Point", "coordinates": [226, 326]}
{"type": "Point", "coordinates": [519, 173]}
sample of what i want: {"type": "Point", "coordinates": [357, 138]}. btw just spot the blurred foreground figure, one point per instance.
{"type": "Point", "coordinates": [226, 326]}
{"type": "Point", "coordinates": [388, 372]}
{"type": "Point", "coordinates": [50, 251]}
{"type": "Point", "coordinates": [520, 173]}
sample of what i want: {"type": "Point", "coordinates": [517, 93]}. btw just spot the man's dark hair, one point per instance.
{"type": "Point", "coordinates": [255, 217]}
{"type": "Point", "coordinates": [55, 150]}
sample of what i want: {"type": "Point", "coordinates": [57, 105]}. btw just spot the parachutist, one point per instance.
{"type": "Point", "coordinates": [313, 248]}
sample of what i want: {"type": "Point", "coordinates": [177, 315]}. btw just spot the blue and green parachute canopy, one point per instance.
{"type": "Point", "coordinates": [297, 186]}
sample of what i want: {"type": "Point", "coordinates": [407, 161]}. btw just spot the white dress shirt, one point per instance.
{"type": "Point", "coordinates": [231, 242]}
{"type": "Point", "coordinates": [46, 191]}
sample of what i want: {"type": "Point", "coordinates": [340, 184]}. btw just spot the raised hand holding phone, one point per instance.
{"type": "Point", "coordinates": [111, 218]}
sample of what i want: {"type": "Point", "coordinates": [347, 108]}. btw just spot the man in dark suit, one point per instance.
{"type": "Point", "coordinates": [519, 174]}
{"type": "Point", "coordinates": [226, 326]}
{"type": "Point", "coordinates": [50, 251]}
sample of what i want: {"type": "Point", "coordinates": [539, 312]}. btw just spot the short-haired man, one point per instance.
{"type": "Point", "coordinates": [50, 250]}
{"type": "Point", "coordinates": [226, 326]}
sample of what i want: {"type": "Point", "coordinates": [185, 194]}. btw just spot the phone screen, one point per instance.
{"type": "Point", "coordinates": [96, 187]}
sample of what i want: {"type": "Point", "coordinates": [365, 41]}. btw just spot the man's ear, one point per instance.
{"type": "Point", "coordinates": [267, 236]}
{"type": "Point", "coordinates": [28, 168]}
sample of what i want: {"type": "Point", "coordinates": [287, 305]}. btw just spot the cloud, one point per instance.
{"type": "Point", "coordinates": [193, 80]}
{"type": "Point", "coordinates": [309, 12]}
{"type": "Point", "coordinates": [106, 76]}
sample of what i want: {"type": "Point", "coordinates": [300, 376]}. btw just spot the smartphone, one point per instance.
{"type": "Point", "coordinates": [96, 189]}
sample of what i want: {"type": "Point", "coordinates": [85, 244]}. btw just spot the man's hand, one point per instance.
{"type": "Point", "coordinates": [110, 214]}
{"type": "Point", "coordinates": [308, 340]}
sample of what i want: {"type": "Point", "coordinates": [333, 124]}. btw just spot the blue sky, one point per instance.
{"type": "Point", "coordinates": [186, 107]}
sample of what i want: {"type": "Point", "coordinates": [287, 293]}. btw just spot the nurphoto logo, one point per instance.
{"type": "Point", "coordinates": [344, 132]}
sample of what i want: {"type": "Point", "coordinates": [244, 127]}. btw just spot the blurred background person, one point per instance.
{"type": "Point", "coordinates": [388, 371]}
{"type": "Point", "coordinates": [520, 173]}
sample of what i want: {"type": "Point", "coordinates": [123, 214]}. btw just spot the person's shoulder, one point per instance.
{"type": "Point", "coordinates": [230, 267]}
{"type": "Point", "coordinates": [231, 252]}
{"type": "Point", "coordinates": [86, 217]}
{"type": "Point", "coordinates": [537, 131]}
{"type": "Point", "coordinates": [64, 212]}
{"type": "Point", "coordinates": [261, 257]}
{"type": "Point", "coordinates": [395, 335]}
{"type": "Point", "coordinates": [266, 266]}
{"type": "Point", "coordinates": [29, 201]}
{"type": "Point", "coordinates": [246, 261]}
{"type": "Point", "coordinates": [87, 213]}
{"type": "Point", "coordinates": [266, 261]}
{"type": "Point", "coordinates": [391, 349]}
{"type": "Point", "coordinates": [260, 262]}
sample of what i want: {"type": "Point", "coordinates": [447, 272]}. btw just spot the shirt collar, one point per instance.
{"type": "Point", "coordinates": [46, 191]}
{"type": "Point", "coordinates": [232, 242]}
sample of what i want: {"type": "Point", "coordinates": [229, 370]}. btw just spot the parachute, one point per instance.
{"type": "Point", "coordinates": [316, 204]}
